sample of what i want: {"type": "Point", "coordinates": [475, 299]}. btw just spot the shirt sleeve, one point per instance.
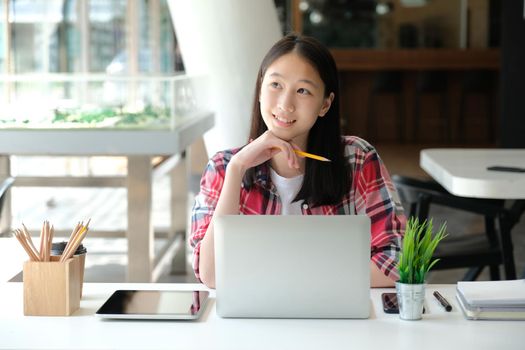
{"type": "Point", "coordinates": [381, 203]}
{"type": "Point", "coordinates": [204, 206]}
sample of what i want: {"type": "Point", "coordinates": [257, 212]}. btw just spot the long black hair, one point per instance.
{"type": "Point", "coordinates": [324, 182]}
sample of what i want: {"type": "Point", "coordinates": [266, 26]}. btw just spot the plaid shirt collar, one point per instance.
{"type": "Point", "coordinates": [262, 176]}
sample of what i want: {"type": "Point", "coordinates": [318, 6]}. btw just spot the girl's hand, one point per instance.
{"type": "Point", "coordinates": [262, 149]}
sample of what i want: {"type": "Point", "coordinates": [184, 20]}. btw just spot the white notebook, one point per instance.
{"type": "Point", "coordinates": [490, 313]}
{"type": "Point", "coordinates": [493, 293]}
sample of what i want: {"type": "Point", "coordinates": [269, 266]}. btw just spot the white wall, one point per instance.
{"type": "Point", "coordinates": [226, 40]}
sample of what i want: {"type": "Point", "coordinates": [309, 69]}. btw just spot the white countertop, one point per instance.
{"type": "Point", "coordinates": [83, 330]}
{"type": "Point", "coordinates": [106, 142]}
{"type": "Point", "coordinates": [463, 172]}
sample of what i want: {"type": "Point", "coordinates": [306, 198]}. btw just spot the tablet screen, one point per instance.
{"type": "Point", "coordinates": [154, 304]}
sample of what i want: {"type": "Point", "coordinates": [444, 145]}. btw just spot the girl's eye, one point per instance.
{"type": "Point", "coordinates": [275, 84]}
{"type": "Point", "coordinates": [303, 91]}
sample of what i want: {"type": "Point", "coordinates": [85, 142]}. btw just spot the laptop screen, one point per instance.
{"type": "Point", "coordinates": [292, 266]}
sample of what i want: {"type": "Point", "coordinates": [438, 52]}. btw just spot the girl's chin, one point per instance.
{"type": "Point", "coordinates": [282, 134]}
{"type": "Point", "coordinates": [290, 137]}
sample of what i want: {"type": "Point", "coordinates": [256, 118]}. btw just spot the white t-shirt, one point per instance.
{"type": "Point", "coordinates": [287, 188]}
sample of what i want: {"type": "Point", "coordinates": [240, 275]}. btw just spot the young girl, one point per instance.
{"type": "Point", "coordinates": [296, 108]}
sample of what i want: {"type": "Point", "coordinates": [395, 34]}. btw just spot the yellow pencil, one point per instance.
{"type": "Point", "coordinates": [310, 155]}
{"type": "Point", "coordinates": [70, 249]}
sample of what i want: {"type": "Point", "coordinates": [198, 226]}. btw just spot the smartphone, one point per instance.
{"type": "Point", "coordinates": [510, 169]}
{"type": "Point", "coordinates": [390, 305]}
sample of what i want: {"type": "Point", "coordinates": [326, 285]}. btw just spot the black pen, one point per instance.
{"type": "Point", "coordinates": [443, 301]}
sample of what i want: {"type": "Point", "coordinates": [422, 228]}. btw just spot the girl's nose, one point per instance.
{"type": "Point", "coordinates": [286, 103]}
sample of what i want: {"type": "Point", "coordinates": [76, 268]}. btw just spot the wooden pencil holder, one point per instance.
{"type": "Point", "coordinates": [52, 288]}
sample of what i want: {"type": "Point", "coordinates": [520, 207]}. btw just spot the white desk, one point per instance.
{"type": "Point", "coordinates": [438, 329]}
{"type": "Point", "coordinates": [463, 172]}
{"type": "Point", "coordinates": [139, 146]}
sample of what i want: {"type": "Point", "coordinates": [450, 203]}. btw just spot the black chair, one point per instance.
{"type": "Point", "coordinates": [491, 248]}
{"type": "Point", "coordinates": [4, 187]}
{"type": "Point", "coordinates": [386, 83]}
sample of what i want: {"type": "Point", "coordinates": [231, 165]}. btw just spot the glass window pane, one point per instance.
{"type": "Point", "coordinates": [170, 56]}
{"type": "Point", "coordinates": [107, 36]}
{"type": "Point", "coordinates": [67, 40]}
{"type": "Point", "coordinates": [3, 28]}
{"type": "Point", "coordinates": [43, 35]}
{"type": "Point", "coordinates": [146, 40]}
{"type": "Point", "coordinates": [46, 37]}
{"type": "Point", "coordinates": [157, 41]}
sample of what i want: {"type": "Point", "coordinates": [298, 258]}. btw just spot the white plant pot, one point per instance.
{"type": "Point", "coordinates": [410, 298]}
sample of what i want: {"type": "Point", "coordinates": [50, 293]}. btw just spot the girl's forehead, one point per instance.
{"type": "Point", "coordinates": [292, 65]}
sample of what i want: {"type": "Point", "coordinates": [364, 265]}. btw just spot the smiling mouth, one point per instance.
{"type": "Point", "coordinates": [282, 120]}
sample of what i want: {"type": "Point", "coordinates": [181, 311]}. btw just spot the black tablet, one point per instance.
{"type": "Point", "coordinates": [154, 304]}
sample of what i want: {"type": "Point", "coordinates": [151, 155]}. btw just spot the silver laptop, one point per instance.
{"type": "Point", "coordinates": [292, 266]}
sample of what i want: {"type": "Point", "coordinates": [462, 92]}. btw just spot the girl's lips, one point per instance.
{"type": "Point", "coordinates": [283, 122]}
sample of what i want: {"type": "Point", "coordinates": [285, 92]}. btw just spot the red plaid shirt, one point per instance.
{"type": "Point", "coordinates": [372, 193]}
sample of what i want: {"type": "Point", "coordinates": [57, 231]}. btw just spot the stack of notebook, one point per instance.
{"type": "Point", "coordinates": [492, 300]}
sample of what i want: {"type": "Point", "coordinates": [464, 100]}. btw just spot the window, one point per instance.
{"type": "Point", "coordinates": [50, 41]}
{"type": "Point", "coordinates": [52, 36]}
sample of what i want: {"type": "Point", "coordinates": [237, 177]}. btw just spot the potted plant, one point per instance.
{"type": "Point", "coordinates": [414, 263]}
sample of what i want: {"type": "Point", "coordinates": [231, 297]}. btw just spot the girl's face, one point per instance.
{"type": "Point", "coordinates": [292, 98]}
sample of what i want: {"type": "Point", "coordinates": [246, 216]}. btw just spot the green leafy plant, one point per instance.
{"type": "Point", "coordinates": [417, 249]}
{"type": "Point", "coordinates": [149, 115]}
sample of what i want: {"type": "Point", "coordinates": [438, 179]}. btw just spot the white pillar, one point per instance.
{"type": "Point", "coordinates": [226, 40]}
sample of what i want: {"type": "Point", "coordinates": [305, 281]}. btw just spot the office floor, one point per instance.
{"type": "Point", "coordinates": [106, 258]}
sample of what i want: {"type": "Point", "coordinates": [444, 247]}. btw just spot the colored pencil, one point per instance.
{"type": "Point", "coordinates": [46, 241]}
{"type": "Point", "coordinates": [78, 235]}
{"type": "Point", "coordinates": [310, 155]}
{"type": "Point", "coordinates": [27, 235]}
{"type": "Point", "coordinates": [21, 238]}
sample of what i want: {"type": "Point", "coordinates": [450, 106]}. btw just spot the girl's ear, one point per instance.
{"type": "Point", "coordinates": [326, 104]}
